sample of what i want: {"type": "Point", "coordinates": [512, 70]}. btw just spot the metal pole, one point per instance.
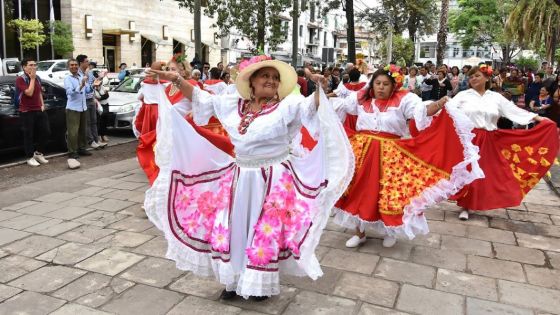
{"type": "Point", "coordinates": [197, 32]}
{"type": "Point", "coordinates": [51, 7]}
{"type": "Point", "coordinates": [19, 31]}
{"type": "Point", "coordinates": [36, 17]}
{"type": "Point", "coordinates": [295, 33]}
{"type": "Point", "coordinates": [2, 26]}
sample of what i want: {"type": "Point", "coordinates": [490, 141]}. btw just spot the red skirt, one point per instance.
{"type": "Point", "coordinates": [146, 121]}
{"type": "Point", "coordinates": [513, 162]}
{"type": "Point", "coordinates": [394, 176]}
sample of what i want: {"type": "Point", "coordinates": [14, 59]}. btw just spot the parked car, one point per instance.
{"type": "Point", "coordinates": [11, 135]}
{"type": "Point", "coordinates": [9, 66]}
{"type": "Point", "coordinates": [123, 101]}
{"type": "Point", "coordinates": [53, 70]}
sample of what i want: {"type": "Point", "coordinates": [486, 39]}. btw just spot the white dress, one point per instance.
{"type": "Point", "coordinates": [246, 219]}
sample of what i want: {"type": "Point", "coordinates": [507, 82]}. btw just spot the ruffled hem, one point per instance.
{"type": "Point", "coordinates": [250, 282]}
{"type": "Point", "coordinates": [414, 221]}
{"type": "Point", "coordinates": [413, 216]}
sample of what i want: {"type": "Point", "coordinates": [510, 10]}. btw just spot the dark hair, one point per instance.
{"type": "Point", "coordinates": [206, 64]}
{"type": "Point", "coordinates": [224, 74]}
{"type": "Point", "coordinates": [354, 75]}
{"type": "Point", "coordinates": [215, 73]}
{"type": "Point", "coordinates": [456, 68]}
{"type": "Point", "coordinates": [71, 60]}
{"type": "Point", "coordinates": [540, 74]}
{"type": "Point", "coordinates": [81, 58]}
{"type": "Point", "coordinates": [300, 72]}
{"type": "Point", "coordinates": [25, 61]}
{"type": "Point", "coordinates": [469, 67]}
{"type": "Point", "coordinates": [476, 69]}
{"type": "Point", "coordinates": [122, 64]}
{"type": "Point", "coordinates": [93, 63]}
{"type": "Point", "coordinates": [369, 93]}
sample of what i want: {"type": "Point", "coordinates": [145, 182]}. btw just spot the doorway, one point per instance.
{"type": "Point", "coordinates": [109, 56]}
{"type": "Point", "coordinates": [148, 52]}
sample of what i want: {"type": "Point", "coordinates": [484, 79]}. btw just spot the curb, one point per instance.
{"type": "Point", "coordinates": [55, 155]}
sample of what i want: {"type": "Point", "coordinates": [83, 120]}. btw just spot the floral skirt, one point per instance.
{"type": "Point", "coordinates": [241, 220]}
{"type": "Point", "coordinates": [396, 179]}
{"type": "Point", "coordinates": [513, 162]}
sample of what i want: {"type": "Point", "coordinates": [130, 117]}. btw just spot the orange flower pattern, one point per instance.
{"type": "Point", "coordinates": [403, 178]}
{"type": "Point", "coordinates": [527, 178]}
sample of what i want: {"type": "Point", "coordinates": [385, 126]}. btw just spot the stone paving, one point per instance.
{"type": "Point", "coordinates": [81, 244]}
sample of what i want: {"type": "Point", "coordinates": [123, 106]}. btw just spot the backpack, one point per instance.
{"type": "Point", "coordinates": [18, 93]}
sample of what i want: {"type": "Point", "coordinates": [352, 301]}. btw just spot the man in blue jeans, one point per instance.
{"type": "Point", "coordinates": [32, 113]}
{"type": "Point", "coordinates": [91, 130]}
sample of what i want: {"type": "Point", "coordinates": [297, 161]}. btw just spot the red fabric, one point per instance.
{"type": "Point", "coordinates": [435, 151]}
{"type": "Point", "coordinates": [145, 123]}
{"type": "Point", "coordinates": [505, 159]}
{"type": "Point", "coordinates": [196, 83]}
{"type": "Point", "coordinates": [306, 140]}
{"type": "Point", "coordinates": [29, 103]}
{"type": "Point", "coordinates": [355, 87]}
{"type": "Point", "coordinates": [212, 81]}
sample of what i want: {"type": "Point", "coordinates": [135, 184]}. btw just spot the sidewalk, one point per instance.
{"type": "Point", "coordinates": [81, 244]}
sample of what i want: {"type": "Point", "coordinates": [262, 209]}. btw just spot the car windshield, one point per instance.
{"type": "Point", "coordinates": [13, 66]}
{"type": "Point", "coordinates": [130, 85]}
{"type": "Point", "coordinates": [44, 65]}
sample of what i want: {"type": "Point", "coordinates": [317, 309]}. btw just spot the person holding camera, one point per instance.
{"type": "Point", "coordinates": [102, 97]}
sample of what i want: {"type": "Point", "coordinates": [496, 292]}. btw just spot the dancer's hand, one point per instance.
{"type": "Point", "coordinates": [162, 75]}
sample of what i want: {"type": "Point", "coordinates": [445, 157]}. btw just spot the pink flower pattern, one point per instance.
{"type": "Point", "coordinates": [220, 239]}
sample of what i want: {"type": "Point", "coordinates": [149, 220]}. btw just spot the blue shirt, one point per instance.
{"type": "Point", "coordinates": [89, 84]}
{"type": "Point", "coordinates": [122, 75]}
{"type": "Point", "coordinates": [76, 95]}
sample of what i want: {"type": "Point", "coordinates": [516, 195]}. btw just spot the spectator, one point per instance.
{"type": "Point", "coordinates": [455, 79]}
{"type": "Point", "coordinates": [76, 114]}
{"type": "Point", "coordinates": [122, 72]}
{"type": "Point", "coordinates": [32, 113]}
{"type": "Point", "coordinates": [533, 89]}
{"type": "Point", "coordinates": [500, 79]}
{"type": "Point", "coordinates": [412, 81]}
{"type": "Point", "coordinates": [102, 97]}
{"type": "Point", "coordinates": [220, 66]}
{"type": "Point", "coordinates": [541, 103]}
{"type": "Point", "coordinates": [464, 83]}
{"type": "Point", "coordinates": [302, 82]}
{"type": "Point", "coordinates": [440, 85]}
{"type": "Point", "coordinates": [92, 134]}
{"type": "Point", "coordinates": [226, 77]}
{"type": "Point", "coordinates": [549, 78]}
{"type": "Point", "coordinates": [425, 89]}
{"type": "Point", "coordinates": [205, 72]}
{"type": "Point", "coordinates": [515, 85]}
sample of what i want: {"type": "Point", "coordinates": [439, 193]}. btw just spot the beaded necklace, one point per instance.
{"type": "Point", "coordinates": [248, 116]}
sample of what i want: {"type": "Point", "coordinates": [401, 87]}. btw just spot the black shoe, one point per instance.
{"type": "Point", "coordinates": [260, 298]}
{"type": "Point", "coordinates": [84, 153]}
{"type": "Point", "coordinates": [228, 295]}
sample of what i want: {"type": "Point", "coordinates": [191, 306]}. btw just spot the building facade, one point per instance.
{"type": "Point", "coordinates": [110, 32]}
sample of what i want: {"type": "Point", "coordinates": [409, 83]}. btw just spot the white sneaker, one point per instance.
{"type": "Point", "coordinates": [94, 145]}
{"type": "Point", "coordinates": [464, 215]}
{"type": "Point", "coordinates": [102, 144]}
{"type": "Point", "coordinates": [355, 241]}
{"type": "Point", "coordinates": [73, 164]}
{"type": "Point", "coordinates": [389, 241]}
{"type": "Point", "coordinates": [40, 158]}
{"type": "Point", "coordinates": [33, 162]}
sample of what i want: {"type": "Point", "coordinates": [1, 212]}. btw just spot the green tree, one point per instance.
{"type": "Point", "coordinates": [402, 53]}
{"type": "Point", "coordinates": [256, 20]}
{"type": "Point", "coordinates": [61, 37]}
{"type": "Point", "coordinates": [31, 32]}
{"type": "Point", "coordinates": [348, 6]}
{"type": "Point", "coordinates": [442, 32]}
{"type": "Point", "coordinates": [482, 23]}
{"type": "Point", "coordinates": [525, 63]}
{"type": "Point", "coordinates": [532, 23]}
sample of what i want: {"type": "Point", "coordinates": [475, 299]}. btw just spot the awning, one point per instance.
{"type": "Point", "coordinates": [120, 31]}
{"type": "Point", "coordinates": [156, 40]}
{"type": "Point", "coordinates": [184, 41]}
{"type": "Point", "coordinates": [280, 57]}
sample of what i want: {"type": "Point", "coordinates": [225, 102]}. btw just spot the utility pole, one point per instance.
{"type": "Point", "coordinates": [350, 31]}
{"type": "Point", "coordinates": [295, 32]}
{"type": "Point", "coordinates": [197, 32]}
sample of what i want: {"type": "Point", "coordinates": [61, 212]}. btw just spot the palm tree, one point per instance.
{"type": "Point", "coordinates": [442, 33]}
{"type": "Point", "coordinates": [533, 23]}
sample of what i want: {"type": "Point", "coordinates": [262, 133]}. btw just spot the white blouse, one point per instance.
{"type": "Point", "coordinates": [485, 110]}
{"type": "Point", "coordinates": [271, 133]}
{"type": "Point", "coordinates": [393, 120]}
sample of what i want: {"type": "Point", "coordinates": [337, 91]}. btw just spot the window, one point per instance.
{"type": "Point", "coordinates": [301, 31]}
{"type": "Point", "coordinates": [468, 53]}
{"type": "Point", "coordinates": [343, 45]}
{"type": "Point", "coordinates": [13, 66]}
{"type": "Point", "coordinates": [6, 94]}
{"type": "Point", "coordinates": [324, 38]}
{"type": "Point", "coordinates": [60, 66]}
{"type": "Point", "coordinates": [427, 51]}
{"type": "Point", "coordinates": [456, 51]}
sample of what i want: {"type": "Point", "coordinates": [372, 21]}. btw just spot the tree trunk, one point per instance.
{"type": "Point", "coordinates": [412, 29]}
{"type": "Point", "coordinates": [197, 32]}
{"type": "Point", "coordinates": [261, 31]}
{"type": "Point", "coordinates": [506, 53]}
{"type": "Point", "coordinates": [442, 33]}
{"type": "Point", "coordinates": [295, 33]}
{"type": "Point", "coordinates": [350, 31]}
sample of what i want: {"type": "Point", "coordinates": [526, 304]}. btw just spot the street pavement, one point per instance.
{"type": "Point", "coordinates": [80, 244]}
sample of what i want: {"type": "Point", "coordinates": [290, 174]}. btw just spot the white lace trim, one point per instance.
{"type": "Point", "coordinates": [414, 220]}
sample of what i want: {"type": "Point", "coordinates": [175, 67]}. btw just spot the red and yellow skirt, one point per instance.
{"type": "Point", "coordinates": [513, 162]}
{"type": "Point", "coordinates": [396, 179]}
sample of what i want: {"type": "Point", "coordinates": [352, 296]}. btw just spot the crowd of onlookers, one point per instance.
{"type": "Point", "coordinates": [87, 103]}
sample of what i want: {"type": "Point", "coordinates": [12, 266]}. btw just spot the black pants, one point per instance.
{"type": "Point", "coordinates": [103, 120]}
{"type": "Point", "coordinates": [35, 122]}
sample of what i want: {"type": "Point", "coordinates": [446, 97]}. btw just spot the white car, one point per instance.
{"type": "Point", "coordinates": [53, 70]}
{"type": "Point", "coordinates": [123, 102]}
{"type": "Point", "coordinates": [9, 66]}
